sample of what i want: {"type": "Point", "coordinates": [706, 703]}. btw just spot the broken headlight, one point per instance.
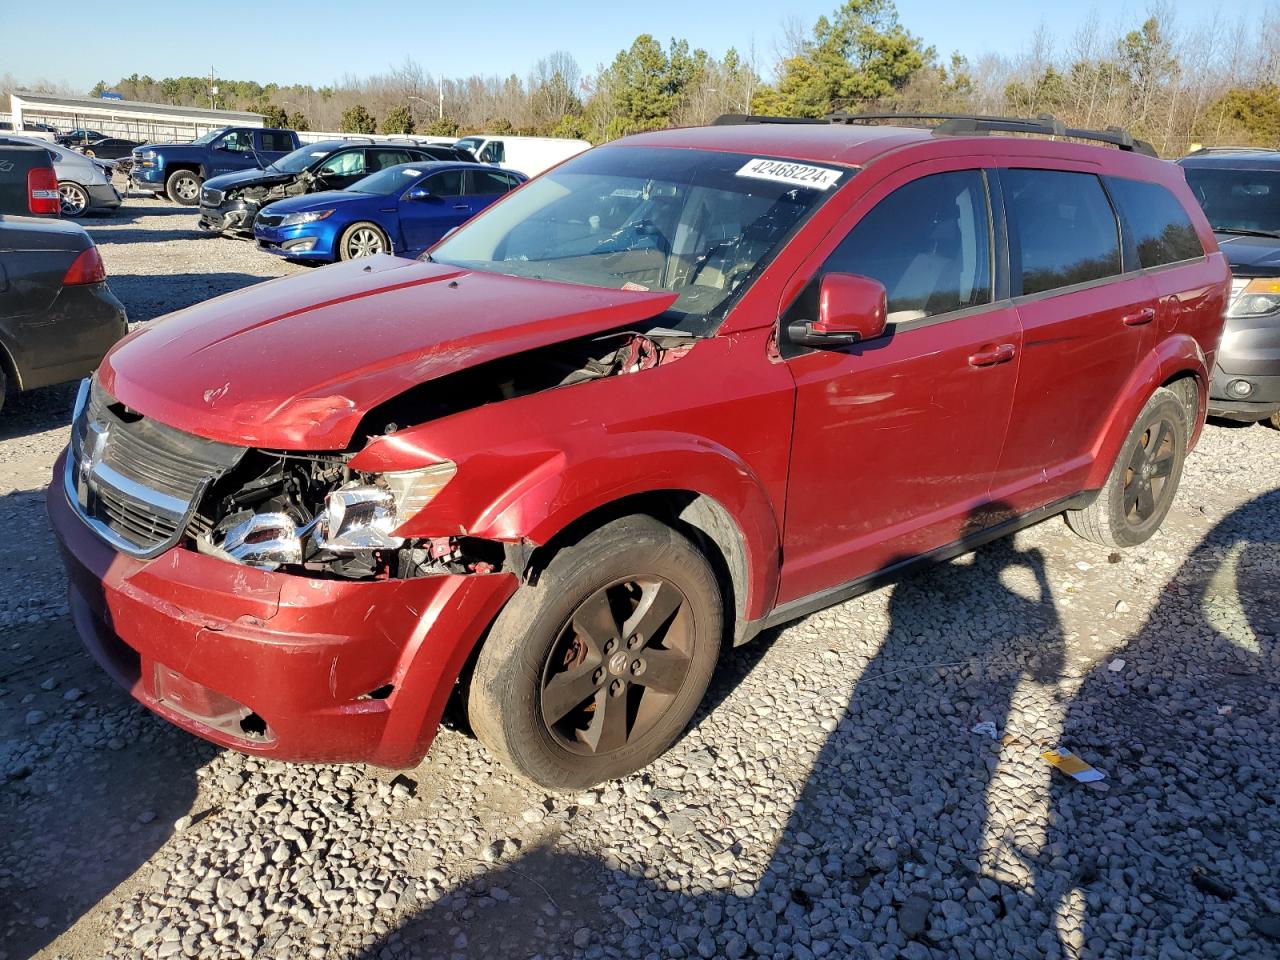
{"type": "Point", "coordinates": [361, 516]}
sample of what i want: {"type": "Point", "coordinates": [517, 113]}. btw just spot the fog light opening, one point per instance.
{"type": "Point", "coordinates": [254, 727]}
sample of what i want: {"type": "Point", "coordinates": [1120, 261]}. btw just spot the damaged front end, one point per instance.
{"type": "Point", "coordinates": [311, 513]}
{"type": "Point", "coordinates": [234, 210]}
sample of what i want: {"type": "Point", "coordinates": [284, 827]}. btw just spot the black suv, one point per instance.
{"type": "Point", "coordinates": [230, 202]}
{"type": "Point", "coordinates": [28, 185]}
{"type": "Point", "coordinates": [1239, 190]}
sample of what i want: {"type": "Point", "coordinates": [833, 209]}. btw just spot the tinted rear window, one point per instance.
{"type": "Point", "coordinates": [1062, 230]}
{"type": "Point", "coordinates": [1156, 221]}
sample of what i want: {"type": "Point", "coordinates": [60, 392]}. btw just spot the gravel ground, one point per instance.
{"type": "Point", "coordinates": [832, 800]}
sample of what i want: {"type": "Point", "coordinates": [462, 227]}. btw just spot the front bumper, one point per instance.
{"type": "Point", "coordinates": [146, 179]}
{"type": "Point", "coordinates": [283, 666]}
{"type": "Point", "coordinates": [303, 241]}
{"type": "Point", "coordinates": [103, 196]}
{"type": "Point", "coordinates": [1246, 375]}
{"type": "Point", "coordinates": [234, 216]}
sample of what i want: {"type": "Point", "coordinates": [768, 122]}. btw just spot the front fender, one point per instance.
{"type": "Point", "coordinates": [1177, 354]}
{"type": "Point", "coordinates": [530, 466]}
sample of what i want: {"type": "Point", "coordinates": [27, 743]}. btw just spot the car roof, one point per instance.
{"type": "Point", "coordinates": [858, 144]}
{"type": "Point", "coordinates": [1239, 158]}
{"type": "Point", "coordinates": [435, 166]}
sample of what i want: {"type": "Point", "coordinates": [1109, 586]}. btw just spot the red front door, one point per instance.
{"type": "Point", "coordinates": [896, 440]}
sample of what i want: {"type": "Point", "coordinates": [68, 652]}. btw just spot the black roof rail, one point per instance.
{"type": "Point", "coordinates": [738, 119]}
{"type": "Point", "coordinates": [962, 124]}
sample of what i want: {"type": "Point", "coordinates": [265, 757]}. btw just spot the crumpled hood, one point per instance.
{"type": "Point", "coordinates": [1262, 253]}
{"type": "Point", "coordinates": [296, 363]}
{"type": "Point", "coordinates": [244, 178]}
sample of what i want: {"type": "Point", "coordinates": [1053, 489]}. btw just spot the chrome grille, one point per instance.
{"type": "Point", "coordinates": [137, 482]}
{"type": "Point", "coordinates": [269, 219]}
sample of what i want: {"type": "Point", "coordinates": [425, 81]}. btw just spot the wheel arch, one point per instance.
{"type": "Point", "coordinates": [701, 518]}
{"type": "Point", "coordinates": [1176, 358]}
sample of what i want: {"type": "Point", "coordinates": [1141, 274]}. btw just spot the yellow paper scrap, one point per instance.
{"type": "Point", "coordinates": [1072, 766]}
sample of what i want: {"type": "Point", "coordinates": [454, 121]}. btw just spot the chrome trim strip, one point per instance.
{"type": "Point", "coordinates": [169, 507]}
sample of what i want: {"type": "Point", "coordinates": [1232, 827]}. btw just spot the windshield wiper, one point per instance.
{"type": "Point", "coordinates": [1245, 232]}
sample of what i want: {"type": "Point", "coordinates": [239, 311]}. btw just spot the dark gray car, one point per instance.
{"type": "Point", "coordinates": [57, 314]}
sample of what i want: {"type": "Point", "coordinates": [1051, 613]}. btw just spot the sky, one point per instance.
{"type": "Point", "coordinates": [319, 41]}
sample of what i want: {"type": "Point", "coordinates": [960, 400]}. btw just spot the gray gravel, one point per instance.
{"type": "Point", "coordinates": [833, 800]}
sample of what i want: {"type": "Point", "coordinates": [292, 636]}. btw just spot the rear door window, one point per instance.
{"type": "Point", "coordinates": [380, 159]}
{"type": "Point", "coordinates": [276, 141]}
{"type": "Point", "coordinates": [1062, 230]}
{"type": "Point", "coordinates": [447, 183]}
{"type": "Point", "coordinates": [1160, 228]}
{"type": "Point", "coordinates": [928, 243]}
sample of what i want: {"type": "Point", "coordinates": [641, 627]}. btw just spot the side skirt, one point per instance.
{"type": "Point", "coordinates": [803, 606]}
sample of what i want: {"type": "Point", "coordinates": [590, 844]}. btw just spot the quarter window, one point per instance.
{"type": "Point", "coordinates": [928, 243]}
{"type": "Point", "coordinates": [1062, 230]}
{"type": "Point", "coordinates": [1155, 219]}
{"type": "Point", "coordinates": [381, 159]}
{"type": "Point", "coordinates": [485, 183]}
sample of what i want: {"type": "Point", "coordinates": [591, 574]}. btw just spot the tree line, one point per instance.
{"type": "Point", "coordinates": [1171, 83]}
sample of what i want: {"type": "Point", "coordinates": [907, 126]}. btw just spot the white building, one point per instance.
{"type": "Point", "coordinates": [132, 119]}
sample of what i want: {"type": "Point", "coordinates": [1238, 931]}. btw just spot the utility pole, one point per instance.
{"type": "Point", "coordinates": [440, 86]}
{"type": "Point", "coordinates": [213, 91]}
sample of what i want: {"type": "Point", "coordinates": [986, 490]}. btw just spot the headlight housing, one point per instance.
{"type": "Point", "coordinates": [309, 216]}
{"type": "Point", "coordinates": [148, 154]}
{"type": "Point", "coordinates": [362, 516]}
{"type": "Point", "coordinates": [1259, 298]}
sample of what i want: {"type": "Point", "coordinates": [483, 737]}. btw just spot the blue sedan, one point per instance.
{"type": "Point", "coordinates": [402, 210]}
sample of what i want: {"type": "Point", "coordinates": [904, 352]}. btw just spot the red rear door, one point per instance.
{"type": "Point", "coordinates": [896, 439]}
{"type": "Point", "coordinates": [1084, 323]}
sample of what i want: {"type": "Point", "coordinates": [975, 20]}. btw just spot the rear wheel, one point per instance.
{"type": "Point", "coordinates": [183, 186]}
{"type": "Point", "coordinates": [1274, 420]}
{"type": "Point", "coordinates": [73, 198]}
{"type": "Point", "coordinates": [594, 671]}
{"type": "Point", "coordinates": [362, 240]}
{"type": "Point", "coordinates": [1138, 492]}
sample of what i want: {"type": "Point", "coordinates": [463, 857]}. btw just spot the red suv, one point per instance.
{"type": "Point", "coordinates": [679, 389]}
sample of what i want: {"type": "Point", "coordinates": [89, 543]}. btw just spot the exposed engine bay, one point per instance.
{"type": "Point", "coordinates": [313, 514]}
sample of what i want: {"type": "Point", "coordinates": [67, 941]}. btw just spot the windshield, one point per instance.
{"type": "Point", "coordinates": [303, 157]}
{"type": "Point", "coordinates": [699, 223]}
{"type": "Point", "coordinates": [388, 181]}
{"type": "Point", "coordinates": [208, 137]}
{"type": "Point", "coordinates": [1238, 200]}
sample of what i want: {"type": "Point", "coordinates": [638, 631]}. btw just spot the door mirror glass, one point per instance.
{"type": "Point", "coordinates": [850, 309]}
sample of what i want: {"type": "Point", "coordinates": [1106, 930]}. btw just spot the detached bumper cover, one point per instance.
{"type": "Point", "coordinates": [232, 217]}
{"type": "Point", "coordinates": [103, 196]}
{"type": "Point", "coordinates": [275, 664]}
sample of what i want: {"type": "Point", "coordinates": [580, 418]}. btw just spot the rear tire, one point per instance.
{"type": "Point", "coordinates": [1274, 420]}
{"type": "Point", "coordinates": [1137, 494]}
{"type": "Point", "coordinates": [362, 239]}
{"type": "Point", "coordinates": [73, 199]}
{"type": "Point", "coordinates": [595, 671]}
{"type": "Point", "coordinates": [183, 186]}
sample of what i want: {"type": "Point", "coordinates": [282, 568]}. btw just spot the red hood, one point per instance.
{"type": "Point", "coordinates": [296, 363]}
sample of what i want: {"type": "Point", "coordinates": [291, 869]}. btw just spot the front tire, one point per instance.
{"type": "Point", "coordinates": [595, 670]}
{"type": "Point", "coordinates": [1137, 494]}
{"type": "Point", "coordinates": [362, 239]}
{"type": "Point", "coordinates": [1274, 420]}
{"type": "Point", "coordinates": [73, 198]}
{"type": "Point", "coordinates": [183, 186]}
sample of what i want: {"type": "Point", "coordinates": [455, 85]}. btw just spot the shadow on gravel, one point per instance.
{"type": "Point", "coordinates": [892, 850]}
{"type": "Point", "coordinates": [153, 295]}
{"type": "Point", "coordinates": [859, 837]}
{"type": "Point", "coordinates": [90, 783]}
{"type": "Point", "coordinates": [1185, 826]}
{"type": "Point", "coordinates": [38, 411]}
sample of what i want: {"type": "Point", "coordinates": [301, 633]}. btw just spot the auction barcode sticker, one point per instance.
{"type": "Point", "coordinates": [796, 174]}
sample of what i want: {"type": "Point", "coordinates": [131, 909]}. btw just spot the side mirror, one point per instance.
{"type": "Point", "coordinates": [850, 309]}
{"type": "Point", "coordinates": [418, 193]}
